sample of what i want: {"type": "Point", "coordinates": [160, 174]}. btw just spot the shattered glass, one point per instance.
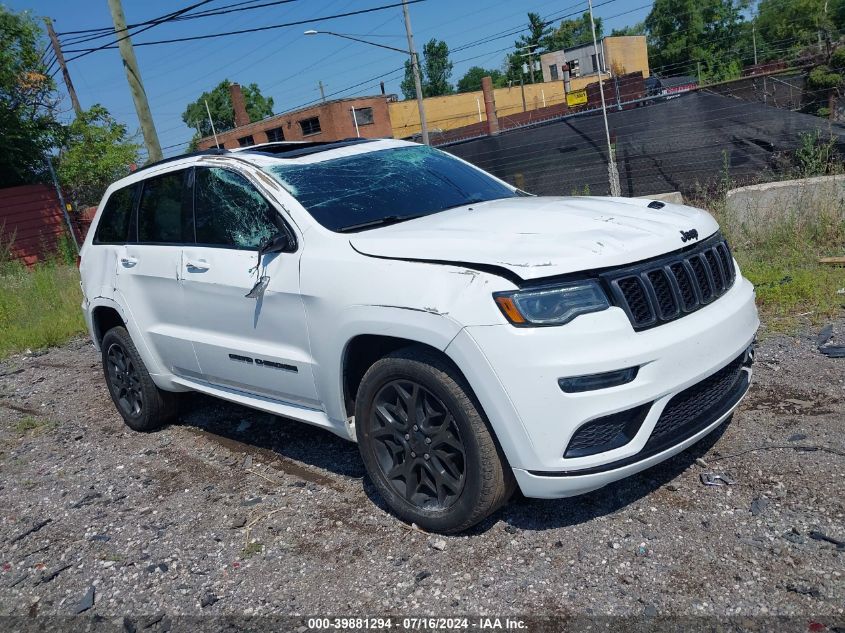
{"type": "Point", "coordinates": [403, 181]}
{"type": "Point", "coordinates": [229, 211]}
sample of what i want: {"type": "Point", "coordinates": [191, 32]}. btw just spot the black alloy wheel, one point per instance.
{"type": "Point", "coordinates": [125, 381]}
{"type": "Point", "coordinates": [426, 443]}
{"type": "Point", "coordinates": [141, 404]}
{"type": "Point", "coordinates": [418, 446]}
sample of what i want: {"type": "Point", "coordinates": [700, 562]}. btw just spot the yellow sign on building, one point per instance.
{"type": "Point", "coordinates": [576, 98]}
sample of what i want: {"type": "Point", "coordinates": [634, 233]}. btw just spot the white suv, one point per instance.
{"type": "Point", "coordinates": [470, 337]}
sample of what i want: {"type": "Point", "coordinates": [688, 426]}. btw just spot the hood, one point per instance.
{"type": "Point", "coordinates": [536, 237]}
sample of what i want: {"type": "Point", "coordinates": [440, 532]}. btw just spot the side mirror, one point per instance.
{"type": "Point", "coordinates": [274, 244]}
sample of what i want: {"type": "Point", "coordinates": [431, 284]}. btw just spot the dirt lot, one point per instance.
{"type": "Point", "coordinates": [234, 511]}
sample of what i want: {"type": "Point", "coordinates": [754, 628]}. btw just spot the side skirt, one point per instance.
{"type": "Point", "coordinates": [315, 417]}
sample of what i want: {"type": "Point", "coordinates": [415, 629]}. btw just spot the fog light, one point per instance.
{"type": "Point", "coordinates": [590, 382]}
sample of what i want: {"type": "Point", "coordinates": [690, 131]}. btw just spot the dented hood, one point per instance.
{"type": "Point", "coordinates": [537, 237]}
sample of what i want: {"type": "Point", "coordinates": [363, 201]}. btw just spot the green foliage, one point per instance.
{"type": "Point", "coordinates": [633, 29]}
{"type": "Point", "coordinates": [778, 250]}
{"type": "Point", "coordinates": [96, 151]}
{"type": "Point", "coordinates": [220, 104]}
{"type": "Point", "coordinates": [435, 70]}
{"type": "Point", "coordinates": [822, 82]}
{"type": "Point", "coordinates": [823, 78]}
{"type": "Point", "coordinates": [571, 33]}
{"type": "Point", "coordinates": [65, 250]}
{"type": "Point", "coordinates": [817, 156]}
{"type": "Point", "coordinates": [793, 23]}
{"type": "Point", "coordinates": [837, 59]}
{"type": "Point", "coordinates": [685, 33]}
{"type": "Point", "coordinates": [534, 42]}
{"type": "Point", "coordinates": [39, 306]}
{"type": "Point", "coordinates": [471, 81]}
{"type": "Point", "coordinates": [27, 100]}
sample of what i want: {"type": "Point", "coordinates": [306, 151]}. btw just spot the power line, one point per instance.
{"type": "Point", "coordinates": [161, 20]}
{"type": "Point", "coordinates": [107, 32]}
{"type": "Point", "coordinates": [242, 31]}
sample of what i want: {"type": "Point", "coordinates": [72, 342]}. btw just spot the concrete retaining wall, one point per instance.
{"type": "Point", "coordinates": [673, 197]}
{"type": "Point", "coordinates": [760, 203]}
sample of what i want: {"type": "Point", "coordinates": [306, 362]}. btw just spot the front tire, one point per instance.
{"type": "Point", "coordinates": [143, 406]}
{"type": "Point", "coordinates": [426, 445]}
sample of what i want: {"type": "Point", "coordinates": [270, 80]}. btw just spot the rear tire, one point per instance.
{"type": "Point", "coordinates": [143, 406]}
{"type": "Point", "coordinates": [426, 445]}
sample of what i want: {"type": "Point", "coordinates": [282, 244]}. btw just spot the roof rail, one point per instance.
{"type": "Point", "coordinates": [215, 151]}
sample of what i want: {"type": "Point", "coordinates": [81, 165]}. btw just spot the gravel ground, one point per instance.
{"type": "Point", "coordinates": [238, 512]}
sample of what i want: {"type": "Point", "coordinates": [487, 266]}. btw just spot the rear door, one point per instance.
{"type": "Point", "coordinates": [149, 265]}
{"type": "Point", "coordinates": [259, 345]}
{"type": "Point", "coordinates": [101, 257]}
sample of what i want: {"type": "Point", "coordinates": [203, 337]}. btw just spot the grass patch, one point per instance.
{"type": "Point", "coordinates": [251, 550]}
{"type": "Point", "coordinates": [33, 425]}
{"type": "Point", "coordinates": [39, 306]}
{"type": "Point", "coordinates": [778, 252]}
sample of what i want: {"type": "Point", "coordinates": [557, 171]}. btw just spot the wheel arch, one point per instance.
{"type": "Point", "coordinates": [104, 316]}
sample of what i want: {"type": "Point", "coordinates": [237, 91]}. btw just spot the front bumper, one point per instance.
{"type": "Point", "coordinates": [514, 373]}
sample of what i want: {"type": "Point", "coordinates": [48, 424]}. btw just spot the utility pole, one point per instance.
{"type": "Point", "coordinates": [612, 173]}
{"type": "Point", "coordinates": [57, 49]}
{"type": "Point", "coordinates": [754, 39]}
{"type": "Point", "coordinates": [322, 91]}
{"type": "Point", "coordinates": [415, 67]}
{"type": "Point", "coordinates": [133, 76]}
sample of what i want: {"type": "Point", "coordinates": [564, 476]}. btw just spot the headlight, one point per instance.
{"type": "Point", "coordinates": [553, 305]}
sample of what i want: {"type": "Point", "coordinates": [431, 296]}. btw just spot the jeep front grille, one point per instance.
{"type": "Point", "coordinates": [664, 289]}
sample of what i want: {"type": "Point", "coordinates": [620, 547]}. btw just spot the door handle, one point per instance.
{"type": "Point", "coordinates": [128, 262]}
{"type": "Point", "coordinates": [197, 265]}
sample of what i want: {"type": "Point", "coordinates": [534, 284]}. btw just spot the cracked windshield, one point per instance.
{"type": "Point", "coordinates": [392, 185]}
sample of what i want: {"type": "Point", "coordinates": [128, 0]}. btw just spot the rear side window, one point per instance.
{"type": "Point", "coordinates": [229, 210]}
{"type": "Point", "coordinates": [113, 227]}
{"type": "Point", "coordinates": [161, 212]}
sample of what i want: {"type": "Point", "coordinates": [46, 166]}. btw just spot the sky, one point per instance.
{"type": "Point", "coordinates": [286, 64]}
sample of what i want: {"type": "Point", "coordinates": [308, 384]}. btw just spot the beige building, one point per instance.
{"type": "Point", "coordinates": [459, 110]}
{"type": "Point", "coordinates": [617, 56]}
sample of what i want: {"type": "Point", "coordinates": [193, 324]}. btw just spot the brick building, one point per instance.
{"type": "Point", "coordinates": [326, 121]}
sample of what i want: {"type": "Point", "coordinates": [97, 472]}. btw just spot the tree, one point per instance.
{"type": "Point", "coordinates": [220, 104]}
{"type": "Point", "coordinates": [572, 33]}
{"type": "Point", "coordinates": [435, 70]}
{"type": "Point", "coordinates": [28, 101]}
{"type": "Point", "coordinates": [538, 31]}
{"type": "Point", "coordinates": [96, 150]}
{"type": "Point", "coordinates": [633, 29]}
{"type": "Point", "coordinates": [471, 81]}
{"type": "Point", "coordinates": [685, 33]}
{"type": "Point", "coordinates": [784, 25]}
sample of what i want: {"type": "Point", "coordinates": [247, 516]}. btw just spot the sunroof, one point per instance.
{"type": "Point", "coordinates": [292, 150]}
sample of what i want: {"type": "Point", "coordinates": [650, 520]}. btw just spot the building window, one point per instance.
{"type": "Point", "coordinates": [276, 135]}
{"type": "Point", "coordinates": [363, 116]}
{"type": "Point", "coordinates": [553, 72]}
{"type": "Point", "coordinates": [597, 62]}
{"type": "Point", "coordinates": [246, 141]}
{"type": "Point", "coordinates": [310, 126]}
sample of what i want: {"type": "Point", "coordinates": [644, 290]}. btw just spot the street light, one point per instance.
{"type": "Point", "coordinates": [414, 66]}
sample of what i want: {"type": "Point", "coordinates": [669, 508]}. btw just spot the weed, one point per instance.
{"type": "Point", "coordinates": [251, 550]}
{"type": "Point", "coordinates": [32, 424]}
{"type": "Point", "coordinates": [816, 156]}
{"type": "Point", "coordinates": [778, 252]}
{"type": "Point", "coordinates": [39, 306]}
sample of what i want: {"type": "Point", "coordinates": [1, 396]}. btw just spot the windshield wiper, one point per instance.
{"type": "Point", "coordinates": [385, 221]}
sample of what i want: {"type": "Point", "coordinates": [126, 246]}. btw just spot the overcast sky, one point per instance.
{"type": "Point", "coordinates": [286, 64]}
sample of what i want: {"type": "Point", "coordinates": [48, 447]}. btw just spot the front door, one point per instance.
{"type": "Point", "coordinates": [148, 270]}
{"type": "Point", "coordinates": [255, 344]}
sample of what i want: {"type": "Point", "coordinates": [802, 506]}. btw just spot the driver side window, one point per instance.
{"type": "Point", "coordinates": [229, 210]}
